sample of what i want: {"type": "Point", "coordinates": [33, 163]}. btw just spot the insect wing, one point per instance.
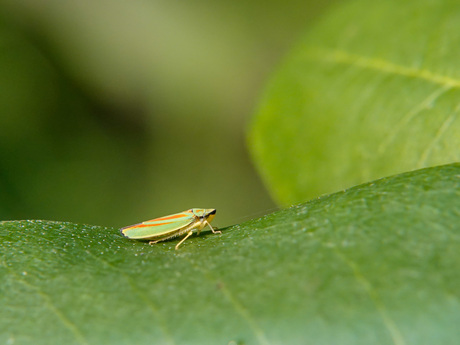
{"type": "Point", "coordinates": [159, 226]}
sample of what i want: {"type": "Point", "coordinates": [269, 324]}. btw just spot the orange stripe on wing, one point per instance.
{"type": "Point", "coordinates": [142, 225]}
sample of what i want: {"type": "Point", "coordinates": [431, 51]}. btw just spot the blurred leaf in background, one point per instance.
{"type": "Point", "coordinates": [371, 91]}
{"type": "Point", "coordinates": [112, 111]}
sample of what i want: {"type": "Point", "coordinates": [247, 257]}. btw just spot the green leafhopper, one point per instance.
{"type": "Point", "coordinates": [174, 225]}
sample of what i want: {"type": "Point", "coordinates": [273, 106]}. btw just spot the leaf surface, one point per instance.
{"type": "Point", "coordinates": [375, 264]}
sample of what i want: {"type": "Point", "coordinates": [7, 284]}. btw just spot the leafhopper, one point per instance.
{"type": "Point", "coordinates": [174, 225]}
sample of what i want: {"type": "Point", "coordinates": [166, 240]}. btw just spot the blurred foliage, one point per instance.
{"type": "Point", "coordinates": [113, 112]}
{"type": "Point", "coordinates": [371, 91]}
{"type": "Point", "coordinates": [375, 264]}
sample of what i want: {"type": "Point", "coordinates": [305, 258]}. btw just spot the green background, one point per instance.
{"type": "Point", "coordinates": [113, 112]}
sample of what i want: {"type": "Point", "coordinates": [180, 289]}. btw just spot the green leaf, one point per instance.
{"type": "Point", "coordinates": [375, 264]}
{"type": "Point", "coordinates": [372, 90]}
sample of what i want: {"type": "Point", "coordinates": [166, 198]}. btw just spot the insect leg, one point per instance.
{"type": "Point", "coordinates": [212, 229]}
{"type": "Point", "coordinates": [182, 240]}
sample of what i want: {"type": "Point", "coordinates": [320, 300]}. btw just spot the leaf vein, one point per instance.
{"type": "Point", "coordinates": [387, 320]}
{"type": "Point", "coordinates": [259, 333]}
{"type": "Point", "coordinates": [409, 116]}
{"type": "Point", "coordinates": [147, 301]}
{"type": "Point", "coordinates": [442, 129]}
{"type": "Point", "coordinates": [50, 305]}
{"type": "Point", "coordinates": [343, 57]}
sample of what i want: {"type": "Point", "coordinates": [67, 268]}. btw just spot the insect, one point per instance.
{"type": "Point", "coordinates": [174, 225]}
